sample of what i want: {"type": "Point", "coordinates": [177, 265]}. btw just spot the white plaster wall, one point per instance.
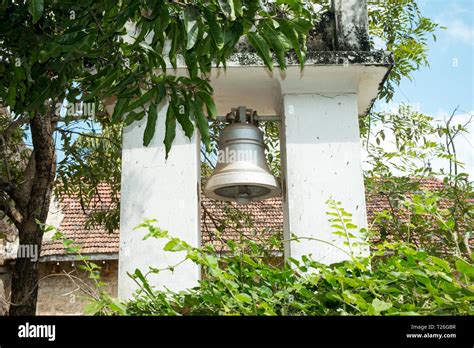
{"type": "Point", "coordinates": [321, 148]}
{"type": "Point", "coordinates": [62, 285]}
{"type": "Point", "coordinates": [5, 285]}
{"type": "Point", "coordinates": [9, 241]}
{"type": "Point", "coordinates": [55, 217]}
{"type": "Point", "coordinates": [166, 190]}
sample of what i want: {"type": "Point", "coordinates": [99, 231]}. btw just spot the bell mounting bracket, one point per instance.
{"type": "Point", "coordinates": [243, 115]}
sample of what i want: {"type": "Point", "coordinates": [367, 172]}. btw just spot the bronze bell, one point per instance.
{"type": "Point", "coordinates": [242, 174]}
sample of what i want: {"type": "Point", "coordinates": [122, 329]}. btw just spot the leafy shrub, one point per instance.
{"type": "Point", "coordinates": [437, 218]}
{"type": "Point", "coordinates": [396, 279]}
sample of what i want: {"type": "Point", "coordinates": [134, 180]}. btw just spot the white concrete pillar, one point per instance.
{"type": "Point", "coordinates": [166, 190]}
{"type": "Point", "coordinates": [321, 154]}
{"type": "Point", "coordinates": [351, 25]}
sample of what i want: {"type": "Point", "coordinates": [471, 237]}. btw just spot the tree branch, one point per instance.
{"type": "Point", "coordinates": [44, 164]}
{"type": "Point", "coordinates": [88, 135]}
{"type": "Point", "coordinates": [11, 211]}
{"type": "Point", "coordinates": [7, 133]}
{"type": "Point", "coordinates": [23, 191]}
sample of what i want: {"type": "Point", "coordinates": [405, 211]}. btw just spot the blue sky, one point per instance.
{"type": "Point", "coordinates": [449, 80]}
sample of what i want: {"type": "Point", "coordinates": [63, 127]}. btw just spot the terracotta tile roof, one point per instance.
{"type": "Point", "coordinates": [378, 202]}
{"type": "Point", "coordinates": [93, 240]}
{"type": "Point", "coordinates": [257, 221]}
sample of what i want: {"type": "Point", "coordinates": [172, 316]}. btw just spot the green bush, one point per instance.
{"type": "Point", "coordinates": [396, 279]}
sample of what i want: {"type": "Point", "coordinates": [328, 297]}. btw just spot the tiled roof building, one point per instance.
{"type": "Point", "coordinates": [258, 220]}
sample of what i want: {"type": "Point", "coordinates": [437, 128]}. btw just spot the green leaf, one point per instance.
{"type": "Point", "coordinates": [290, 33]}
{"type": "Point", "coordinates": [46, 54]}
{"type": "Point", "coordinates": [191, 15]}
{"type": "Point", "coordinates": [153, 115]}
{"type": "Point", "coordinates": [210, 105]}
{"type": "Point", "coordinates": [170, 129]}
{"type": "Point", "coordinates": [231, 37]}
{"type": "Point", "coordinates": [92, 308]}
{"type": "Point", "coordinates": [138, 274]}
{"type": "Point", "coordinates": [174, 37]}
{"type": "Point", "coordinates": [464, 267]}
{"type": "Point", "coordinates": [11, 96]}
{"type": "Point", "coordinates": [119, 109]}
{"type": "Point", "coordinates": [238, 7]}
{"type": "Point", "coordinates": [202, 124]}
{"type": "Point", "coordinates": [214, 28]}
{"type": "Point", "coordinates": [183, 116]}
{"type": "Point", "coordinates": [142, 100]}
{"type": "Point", "coordinates": [106, 82]}
{"type": "Point", "coordinates": [242, 297]}
{"type": "Point", "coordinates": [161, 62]}
{"type": "Point", "coordinates": [133, 116]}
{"type": "Point", "coordinates": [161, 92]}
{"type": "Point", "coordinates": [150, 124]}
{"type": "Point", "coordinates": [301, 25]}
{"type": "Point", "coordinates": [36, 8]}
{"type": "Point", "coordinates": [170, 245]}
{"type": "Point", "coordinates": [380, 306]}
{"type": "Point", "coordinates": [72, 35]}
{"type": "Point", "coordinates": [249, 260]}
{"type": "Point", "coordinates": [227, 6]}
{"type": "Point", "coordinates": [442, 263]}
{"type": "Point", "coordinates": [271, 36]}
{"type": "Point", "coordinates": [262, 48]}
{"type": "Point", "coordinates": [118, 307]}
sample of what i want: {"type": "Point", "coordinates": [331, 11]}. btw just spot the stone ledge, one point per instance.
{"type": "Point", "coordinates": [367, 58]}
{"type": "Point", "coordinates": [76, 257]}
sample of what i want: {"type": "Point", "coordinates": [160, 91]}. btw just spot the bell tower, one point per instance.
{"type": "Point", "coordinates": [317, 109]}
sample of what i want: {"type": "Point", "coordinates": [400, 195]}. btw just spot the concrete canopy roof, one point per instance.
{"type": "Point", "coordinates": [247, 82]}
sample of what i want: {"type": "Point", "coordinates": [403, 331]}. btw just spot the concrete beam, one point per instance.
{"type": "Point", "coordinates": [260, 90]}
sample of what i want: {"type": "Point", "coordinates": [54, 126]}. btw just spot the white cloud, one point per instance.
{"type": "Point", "coordinates": [460, 31]}
{"type": "Point", "coordinates": [464, 144]}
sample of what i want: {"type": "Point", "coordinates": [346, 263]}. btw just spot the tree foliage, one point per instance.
{"type": "Point", "coordinates": [404, 149]}
{"type": "Point", "coordinates": [90, 50]}
{"type": "Point", "coordinates": [400, 27]}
